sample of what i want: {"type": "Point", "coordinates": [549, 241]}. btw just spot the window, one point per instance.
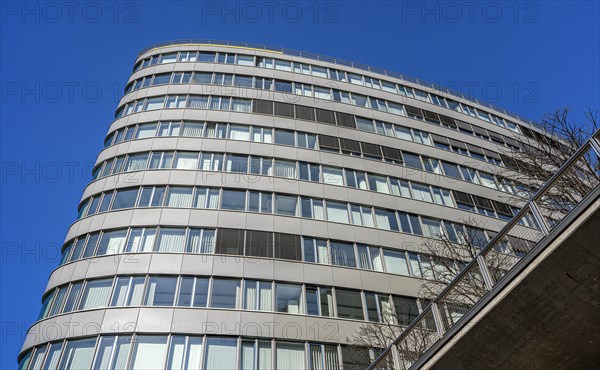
{"type": "Point", "coordinates": [257, 295]}
{"type": "Point", "coordinates": [289, 298]}
{"type": "Point", "coordinates": [256, 354]}
{"type": "Point", "coordinates": [309, 171]}
{"type": "Point", "coordinates": [221, 353]}
{"type": "Point", "coordinates": [180, 197]}
{"type": "Point", "coordinates": [284, 137]}
{"type": "Point", "coordinates": [285, 205]}
{"type": "Point", "coordinates": [224, 293]}
{"type": "Point", "coordinates": [171, 240]}
{"type": "Point", "coordinates": [128, 291]}
{"type": "Point", "coordinates": [200, 241]}
{"type": "Point", "coordinates": [369, 258]}
{"type": "Point", "coordinates": [245, 60]}
{"type": "Point", "coordinates": [356, 179]}
{"type": "Point", "coordinates": [136, 162]}
{"type": "Point", "coordinates": [259, 244]}
{"type": "Point", "coordinates": [421, 192]}
{"type": "Point", "coordinates": [106, 359]}
{"type": "Point", "coordinates": [169, 129]}
{"type": "Point", "coordinates": [285, 169]}
{"type": "Point", "coordinates": [342, 254]}
{"type": "Point", "coordinates": [323, 357]}
{"type": "Point", "coordinates": [206, 198]}
{"type": "Point", "coordinates": [184, 355]}
{"type": "Point", "coordinates": [431, 228]}
{"type": "Point", "coordinates": [160, 291]}
{"type": "Point", "coordinates": [451, 170]}
{"type": "Point", "coordinates": [192, 292]}
{"type": "Point", "coordinates": [155, 103]}
{"type": "Point", "coordinates": [412, 160]}
{"type": "Point", "coordinates": [112, 242]}
{"type": "Point", "coordinates": [395, 262]}
{"type": "Point", "coordinates": [290, 356]}
{"type": "Point", "coordinates": [96, 294]}
{"type": "Point", "coordinates": [186, 161]}
{"type": "Point", "coordinates": [406, 310]}
{"type": "Point", "coordinates": [260, 202]}
{"type": "Point", "coordinates": [124, 199]}
{"type": "Point", "coordinates": [230, 241]}
{"type": "Point", "coordinates": [319, 301]}
{"type": "Point", "coordinates": [333, 176]}
{"type": "Point", "coordinates": [71, 302]}
{"type": "Point", "coordinates": [386, 220]}
{"type": "Point", "coordinates": [78, 354]}
{"type": "Point", "coordinates": [192, 129]}
{"type": "Point", "coordinates": [148, 351]}
{"type": "Point", "coordinates": [234, 200]}
{"type": "Point", "coordinates": [378, 183]}
{"type": "Point", "coordinates": [361, 215]}
{"type": "Point", "coordinates": [288, 247]}
{"type": "Point", "coordinates": [239, 132]}
{"type": "Point", "coordinates": [146, 130]}
{"type": "Point", "coordinates": [140, 240]}
{"type": "Point", "coordinates": [349, 304]}
{"type": "Point", "coordinates": [337, 212]}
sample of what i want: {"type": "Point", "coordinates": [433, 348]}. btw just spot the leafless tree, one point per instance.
{"type": "Point", "coordinates": [532, 165]}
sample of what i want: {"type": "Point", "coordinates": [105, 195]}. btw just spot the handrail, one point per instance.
{"type": "Point", "coordinates": [423, 83]}
{"type": "Point", "coordinates": [540, 213]}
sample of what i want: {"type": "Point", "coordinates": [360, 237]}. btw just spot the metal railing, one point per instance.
{"type": "Point", "coordinates": [424, 84]}
{"type": "Point", "coordinates": [577, 178]}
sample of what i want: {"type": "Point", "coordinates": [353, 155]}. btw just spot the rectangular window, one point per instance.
{"type": "Point", "coordinates": [112, 242]}
{"type": "Point", "coordinates": [285, 169]}
{"type": "Point", "coordinates": [386, 220]}
{"type": "Point", "coordinates": [257, 295]}
{"type": "Point", "coordinates": [160, 291]}
{"type": "Point", "coordinates": [234, 200]}
{"type": "Point", "coordinates": [148, 351]}
{"type": "Point", "coordinates": [141, 240]}
{"type": "Point", "coordinates": [289, 298]}
{"type": "Point", "coordinates": [125, 199]}
{"type": "Point", "coordinates": [421, 192]}
{"type": "Point", "coordinates": [284, 137]}
{"type": "Point", "coordinates": [285, 205]}
{"type": "Point", "coordinates": [180, 197]}
{"type": "Point", "coordinates": [224, 293]}
{"type": "Point", "coordinates": [186, 161]}
{"type": "Point", "coordinates": [230, 241]}
{"type": "Point", "coordinates": [349, 304]}
{"type": "Point", "coordinates": [378, 184]}
{"type": "Point", "coordinates": [395, 262]}
{"type": "Point", "coordinates": [96, 294]}
{"type": "Point", "coordinates": [78, 354]}
{"type": "Point", "coordinates": [342, 254]}
{"type": "Point", "coordinates": [290, 356]}
{"type": "Point", "coordinates": [337, 212]}
{"type": "Point", "coordinates": [333, 176]}
{"type": "Point", "coordinates": [171, 240]}
{"type": "Point", "coordinates": [221, 353]}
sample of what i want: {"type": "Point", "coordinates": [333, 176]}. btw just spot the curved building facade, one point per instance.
{"type": "Point", "coordinates": [253, 209]}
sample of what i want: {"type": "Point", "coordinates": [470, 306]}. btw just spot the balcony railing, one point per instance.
{"type": "Point", "coordinates": [425, 85]}
{"type": "Point", "coordinates": [577, 179]}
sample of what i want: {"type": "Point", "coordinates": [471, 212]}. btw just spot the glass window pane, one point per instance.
{"type": "Point", "coordinates": [148, 351]}
{"type": "Point", "coordinates": [125, 199]}
{"type": "Point", "coordinates": [234, 200]}
{"type": "Point", "coordinates": [171, 240]}
{"type": "Point", "coordinates": [289, 298]}
{"type": "Point", "coordinates": [96, 294]}
{"type": "Point", "coordinates": [395, 262]}
{"type": "Point", "coordinates": [224, 293]}
{"type": "Point", "coordinates": [78, 354]}
{"type": "Point", "coordinates": [349, 304]}
{"type": "Point", "coordinates": [201, 292]}
{"type": "Point", "coordinates": [285, 205]}
{"type": "Point", "coordinates": [160, 291]}
{"type": "Point", "coordinates": [221, 353]}
{"type": "Point", "coordinates": [290, 356]}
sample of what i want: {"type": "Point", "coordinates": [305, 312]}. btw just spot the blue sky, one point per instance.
{"type": "Point", "coordinates": [64, 66]}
